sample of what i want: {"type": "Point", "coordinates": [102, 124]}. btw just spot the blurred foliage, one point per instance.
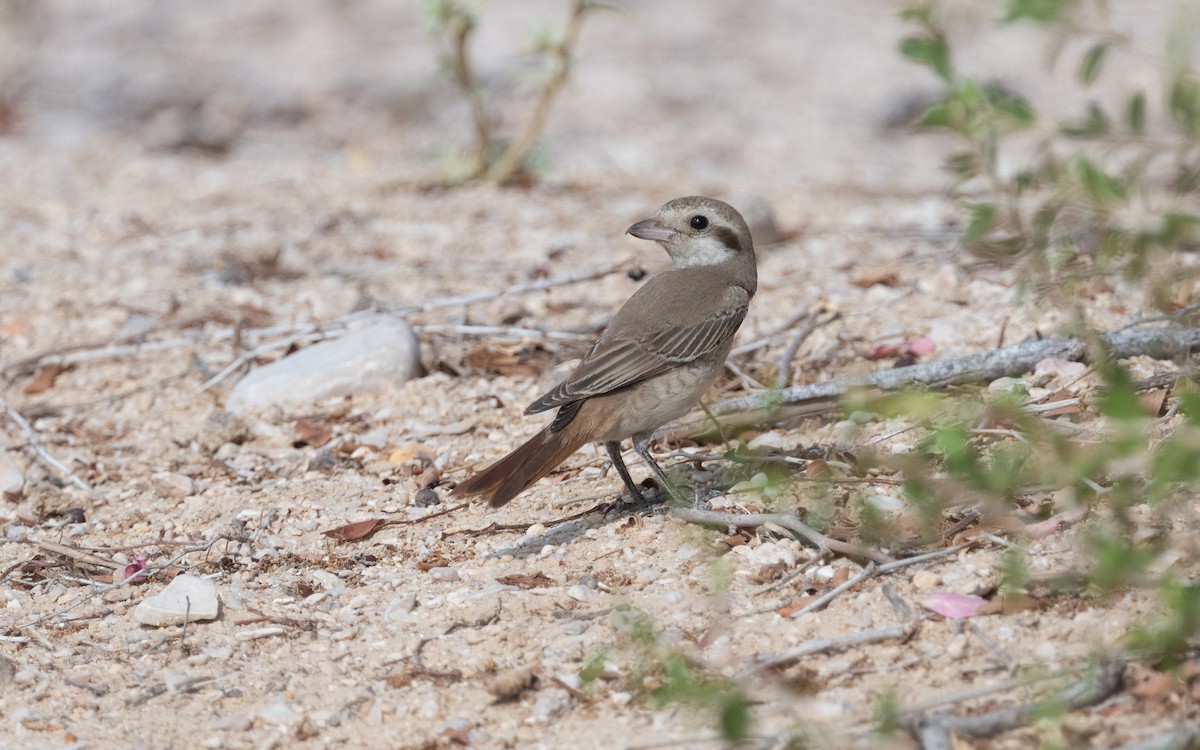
{"type": "Point", "coordinates": [662, 675]}
{"type": "Point", "coordinates": [1102, 192]}
{"type": "Point", "coordinates": [1114, 190]}
{"type": "Point", "coordinates": [492, 158]}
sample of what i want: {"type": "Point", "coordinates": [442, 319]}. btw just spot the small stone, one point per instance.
{"type": "Point", "coordinates": [886, 503]}
{"type": "Point", "coordinates": [234, 722]}
{"type": "Point", "coordinates": [171, 484]}
{"type": "Point", "coordinates": [12, 479]}
{"type": "Point", "coordinates": [26, 676]}
{"type": "Point", "coordinates": [384, 352]}
{"type": "Point", "coordinates": [425, 497]}
{"type": "Point", "coordinates": [620, 698]}
{"type": "Point", "coordinates": [8, 672]}
{"type": "Point", "coordinates": [845, 428]}
{"type": "Point", "coordinates": [923, 580]}
{"type": "Point", "coordinates": [581, 593]}
{"type": "Point", "coordinates": [444, 574]}
{"type": "Point", "coordinates": [1010, 386]}
{"type": "Point", "coordinates": [1046, 652]}
{"type": "Point", "coordinates": [957, 647]}
{"type": "Point", "coordinates": [328, 581]}
{"type": "Point", "coordinates": [759, 480]}
{"type": "Point", "coordinates": [720, 502]}
{"type": "Point", "coordinates": [187, 598]}
{"type": "Point", "coordinates": [766, 440]}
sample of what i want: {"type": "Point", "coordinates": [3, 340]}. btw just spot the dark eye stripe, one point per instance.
{"type": "Point", "coordinates": [729, 238]}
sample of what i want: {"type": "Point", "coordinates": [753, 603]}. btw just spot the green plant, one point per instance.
{"type": "Point", "coordinates": [664, 676]}
{"type": "Point", "coordinates": [490, 158]}
{"type": "Point", "coordinates": [1101, 192]}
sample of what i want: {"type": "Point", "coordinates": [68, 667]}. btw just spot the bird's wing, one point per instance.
{"type": "Point", "coordinates": [619, 361]}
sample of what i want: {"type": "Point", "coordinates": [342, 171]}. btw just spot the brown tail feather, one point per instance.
{"type": "Point", "coordinates": [511, 475]}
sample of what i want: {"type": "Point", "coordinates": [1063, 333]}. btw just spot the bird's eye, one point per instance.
{"type": "Point", "coordinates": [699, 222]}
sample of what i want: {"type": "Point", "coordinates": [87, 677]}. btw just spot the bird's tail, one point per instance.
{"type": "Point", "coordinates": [511, 475]}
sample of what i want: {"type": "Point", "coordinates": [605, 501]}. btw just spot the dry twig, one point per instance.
{"type": "Point", "coordinates": [36, 444]}
{"type": "Point", "coordinates": [787, 521]}
{"type": "Point", "coordinates": [510, 163]}
{"type": "Point", "coordinates": [934, 732]}
{"type": "Point", "coordinates": [772, 406]}
{"type": "Point", "coordinates": [144, 573]}
{"type": "Point", "coordinates": [824, 645]}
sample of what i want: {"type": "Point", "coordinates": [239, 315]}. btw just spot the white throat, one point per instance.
{"type": "Point", "coordinates": [702, 251]}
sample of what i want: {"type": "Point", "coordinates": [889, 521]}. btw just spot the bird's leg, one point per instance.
{"type": "Point", "coordinates": [614, 453]}
{"type": "Point", "coordinates": [641, 444]}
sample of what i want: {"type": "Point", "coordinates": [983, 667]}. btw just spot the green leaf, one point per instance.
{"type": "Point", "coordinates": [1101, 187]}
{"type": "Point", "coordinates": [963, 165]}
{"type": "Point", "coordinates": [983, 220]}
{"type": "Point", "coordinates": [1024, 180]}
{"type": "Point", "coordinates": [1189, 404]}
{"type": "Point", "coordinates": [1089, 68]}
{"type": "Point", "coordinates": [1135, 113]}
{"type": "Point", "coordinates": [1183, 103]}
{"type": "Point", "coordinates": [1119, 399]}
{"type": "Point", "coordinates": [1043, 11]}
{"type": "Point", "coordinates": [735, 716]}
{"type": "Point", "coordinates": [929, 50]}
{"type": "Point", "coordinates": [937, 116]}
{"type": "Point", "coordinates": [1093, 124]}
{"type": "Point", "coordinates": [1009, 103]}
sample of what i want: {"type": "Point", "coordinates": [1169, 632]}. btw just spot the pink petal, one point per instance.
{"type": "Point", "coordinates": [953, 605]}
{"type": "Point", "coordinates": [920, 347]}
{"type": "Point", "coordinates": [138, 564]}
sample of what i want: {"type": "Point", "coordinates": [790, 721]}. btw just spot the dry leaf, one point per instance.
{"type": "Point", "coordinates": [1152, 402]}
{"type": "Point", "coordinates": [735, 540]}
{"type": "Point", "coordinates": [44, 380]}
{"type": "Point", "coordinates": [908, 350]}
{"type": "Point", "coordinates": [795, 607]}
{"type": "Point", "coordinates": [768, 573]}
{"type": "Point", "coordinates": [884, 276]}
{"type": "Point", "coordinates": [356, 530]}
{"type": "Point", "coordinates": [1149, 683]}
{"type": "Point", "coordinates": [312, 433]}
{"type": "Point", "coordinates": [409, 452]}
{"type": "Point", "coordinates": [433, 560]}
{"type": "Point", "coordinates": [525, 581]}
{"type": "Point", "coordinates": [1058, 521]}
{"type": "Point", "coordinates": [457, 736]}
{"type": "Point", "coordinates": [502, 361]}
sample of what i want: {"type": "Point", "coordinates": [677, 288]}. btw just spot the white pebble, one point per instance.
{"type": "Point", "coordinates": [444, 574]}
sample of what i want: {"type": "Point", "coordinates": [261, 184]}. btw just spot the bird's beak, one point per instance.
{"type": "Point", "coordinates": [651, 229]}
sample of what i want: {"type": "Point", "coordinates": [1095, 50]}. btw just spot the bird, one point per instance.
{"type": "Point", "coordinates": [655, 359]}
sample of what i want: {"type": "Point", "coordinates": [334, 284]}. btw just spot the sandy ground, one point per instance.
{"type": "Point", "coordinates": [315, 196]}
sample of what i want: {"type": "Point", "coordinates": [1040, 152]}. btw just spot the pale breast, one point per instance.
{"type": "Point", "coordinates": [659, 400]}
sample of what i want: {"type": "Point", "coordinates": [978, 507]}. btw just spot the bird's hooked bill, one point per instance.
{"type": "Point", "coordinates": [651, 229]}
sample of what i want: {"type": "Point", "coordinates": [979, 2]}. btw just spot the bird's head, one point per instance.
{"type": "Point", "coordinates": [697, 231]}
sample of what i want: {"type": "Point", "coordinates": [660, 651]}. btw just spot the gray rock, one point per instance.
{"type": "Point", "coordinates": [186, 598]}
{"type": "Point", "coordinates": [385, 351]}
